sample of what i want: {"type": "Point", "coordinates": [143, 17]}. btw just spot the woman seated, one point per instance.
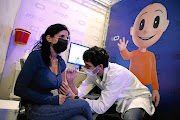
{"type": "Point", "coordinates": [43, 71]}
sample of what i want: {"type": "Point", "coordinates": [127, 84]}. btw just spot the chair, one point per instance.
{"type": "Point", "coordinates": [21, 112]}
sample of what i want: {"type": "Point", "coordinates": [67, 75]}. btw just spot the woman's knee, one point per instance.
{"type": "Point", "coordinates": [83, 103]}
{"type": "Point", "coordinates": [78, 117]}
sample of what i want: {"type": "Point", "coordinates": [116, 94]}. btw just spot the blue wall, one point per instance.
{"type": "Point", "coordinates": [166, 50]}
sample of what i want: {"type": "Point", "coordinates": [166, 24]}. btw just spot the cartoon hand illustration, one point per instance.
{"type": "Point", "coordinates": [155, 97]}
{"type": "Point", "coordinates": [122, 44]}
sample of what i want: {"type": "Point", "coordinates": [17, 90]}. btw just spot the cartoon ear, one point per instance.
{"type": "Point", "coordinates": [131, 31]}
{"type": "Point", "coordinates": [48, 38]}
{"type": "Point", "coordinates": [166, 25]}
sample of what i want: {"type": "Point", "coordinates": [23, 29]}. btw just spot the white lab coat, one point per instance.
{"type": "Point", "coordinates": [118, 86]}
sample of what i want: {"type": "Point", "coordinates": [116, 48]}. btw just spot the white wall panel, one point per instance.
{"type": "Point", "coordinates": [8, 10]}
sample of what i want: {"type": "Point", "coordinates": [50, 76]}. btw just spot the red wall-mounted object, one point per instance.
{"type": "Point", "coordinates": [21, 36]}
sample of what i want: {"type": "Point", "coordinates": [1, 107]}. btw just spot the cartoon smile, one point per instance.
{"type": "Point", "coordinates": [146, 38]}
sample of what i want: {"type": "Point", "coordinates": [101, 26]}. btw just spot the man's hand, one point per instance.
{"type": "Point", "coordinates": [122, 44]}
{"type": "Point", "coordinates": [155, 97]}
{"type": "Point", "coordinates": [71, 74]}
{"type": "Point", "coordinates": [65, 89]}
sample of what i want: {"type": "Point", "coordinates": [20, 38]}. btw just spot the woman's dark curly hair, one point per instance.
{"type": "Point", "coordinates": [96, 56]}
{"type": "Point", "coordinates": [44, 45]}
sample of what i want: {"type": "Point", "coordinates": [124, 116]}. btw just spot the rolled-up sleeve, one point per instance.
{"type": "Point", "coordinates": [126, 54]}
{"type": "Point", "coordinates": [86, 86]}
{"type": "Point", "coordinates": [108, 96]}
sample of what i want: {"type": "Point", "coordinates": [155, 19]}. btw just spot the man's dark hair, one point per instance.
{"type": "Point", "coordinates": [96, 56]}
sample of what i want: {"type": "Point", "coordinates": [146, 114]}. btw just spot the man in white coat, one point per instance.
{"type": "Point", "coordinates": [118, 86]}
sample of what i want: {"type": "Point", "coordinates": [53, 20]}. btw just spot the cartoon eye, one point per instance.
{"type": "Point", "coordinates": [141, 26]}
{"type": "Point", "coordinates": [156, 22]}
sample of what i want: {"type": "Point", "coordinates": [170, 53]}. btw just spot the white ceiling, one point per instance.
{"type": "Point", "coordinates": [107, 3]}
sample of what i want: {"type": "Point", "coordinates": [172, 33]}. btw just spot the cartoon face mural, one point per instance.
{"type": "Point", "coordinates": [149, 25]}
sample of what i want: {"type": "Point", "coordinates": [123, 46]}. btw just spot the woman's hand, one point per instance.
{"type": "Point", "coordinates": [71, 74]}
{"type": "Point", "coordinates": [122, 44]}
{"type": "Point", "coordinates": [61, 99]}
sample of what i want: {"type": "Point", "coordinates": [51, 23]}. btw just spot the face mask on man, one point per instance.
{"type": "Point", "coordinates": [90, 72]}
{"type": "Point", "coordinates": [60, 46]}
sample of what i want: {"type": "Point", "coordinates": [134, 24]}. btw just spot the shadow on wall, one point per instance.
{"type": "Point", "coordinates": [0, 77]}
{"type": "Point", "coordinates": [5, 34]}
{"type": "Point", "coordinates": [11, 67]}
{"type": "Point", "coordinates": [8, 81]}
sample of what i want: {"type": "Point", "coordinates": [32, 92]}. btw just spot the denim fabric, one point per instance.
{"type": "Point", "coordinates": [78, 117]}
{"type": "Point", "coordinates": [134, 114]}
{"type": "Point", "coordinates": [69, 109]}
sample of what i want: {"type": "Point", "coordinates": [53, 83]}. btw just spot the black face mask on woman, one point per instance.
{"type": "Point", "coordinates": [60, 46]}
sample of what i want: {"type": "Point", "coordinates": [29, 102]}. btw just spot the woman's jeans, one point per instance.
{"type": "Point", "coordinates": [70, 109]}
